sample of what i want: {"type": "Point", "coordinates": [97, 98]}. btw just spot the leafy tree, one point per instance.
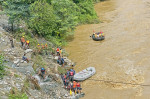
{"type": "Point", "coordinates": [86, 8]}
{"type": "Point", "coordinates": [17, 10]}
{"type": "Point", "coordinates": [43, 20]}
{"type": "Point", "coordinates": [66, 16]}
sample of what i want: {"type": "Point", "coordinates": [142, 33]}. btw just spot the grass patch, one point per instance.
{"type": "Point", "coordinates": [2, 67]}
{"type": "Point", "coordinates": [17, 76]}
{"type": "Point", "coordinates": [15, 94]}
{"type": "Point", "coordinates": [61, 70]}
{"type": "Point", "coordinates": [38, 62]}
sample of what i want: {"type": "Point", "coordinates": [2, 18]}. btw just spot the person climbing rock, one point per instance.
{"type": "Point", "coordinates": [57, 50]}
{"type": "Point", "coordinates": [25, 58]}
{"type": "Point", "coordinates": [22, 41]}
{"type": "Point", "coordinates": [27, 44]}
{"type": "Point", "coordinates": [42, 73]}
{"type": "Point", "coordinates": [59, 60]}
{"type": "Point", "coordinates": [53, 51]}
{"type": "Point", "coordinates": [62, 61]}
{"type": "Point", "coordinates": [38, 48]}
{"type": "Point", "coordinates": [60, 51]}
{"type": "Point", "coordinates": [46, 49]}
{"type": "Point", "coordinates": [11, 41]}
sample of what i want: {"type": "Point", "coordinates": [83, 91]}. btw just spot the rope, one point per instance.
{"type": "Point", "coordinates": [118, 82]}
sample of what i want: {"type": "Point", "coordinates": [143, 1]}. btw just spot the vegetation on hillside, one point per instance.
{"type": "Point", "coordinates": [2, 70]}
{"type": "Point", "coordinates": [52, 19]}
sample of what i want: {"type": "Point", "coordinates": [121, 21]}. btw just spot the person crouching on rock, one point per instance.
{"type": "Point", "coordinates": [25, 58]}
{"type": "Point", "coordinates": [42, 73]}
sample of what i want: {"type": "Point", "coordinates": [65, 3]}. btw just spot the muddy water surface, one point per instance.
{"type": "Point", "coordinates": [123, 56]}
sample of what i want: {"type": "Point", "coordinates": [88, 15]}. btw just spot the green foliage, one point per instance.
{"type": "Point", "coordinates": [43, 19]}
{"type": "Point", "coordinates": [18, 96]}
{"type": "Point", "coordinates": [2, 67]}
{"type": "Point", "coordinates": [66, 17]}
{"type": "Point", "coordinates": [20, 32]}
{"type": "Point", "coordinates": [61, 70]}
{"type": "Point", "coordinates": [87, 11]}
{"type": "Point", "coordinates": [17, 9]}
{"type": "Point", "coordinates": [52, 19]}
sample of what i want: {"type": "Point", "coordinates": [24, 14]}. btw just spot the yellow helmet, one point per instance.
{"type": "Point", "coordinates": [22, 36]}
{"type": "Point", "coordinates": [38, 44]}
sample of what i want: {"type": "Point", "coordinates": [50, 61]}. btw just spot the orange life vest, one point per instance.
{"type": "Point", "coordinates": [74, 85]}
{"type": "Point", "coordinates": [57, 49]}
{"type": "Point", "coordinates": [22, 39]}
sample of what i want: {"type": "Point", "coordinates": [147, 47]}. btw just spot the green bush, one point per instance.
{"type": "Point", "coordinates": [2, 67]}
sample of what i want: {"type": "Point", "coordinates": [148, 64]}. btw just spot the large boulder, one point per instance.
{"type": "Point", "coordinates": [25, 68]}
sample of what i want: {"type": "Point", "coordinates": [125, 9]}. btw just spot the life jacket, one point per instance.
{"type": "Point", "coordinates": [60, 51]}
{"type": "Point", "coordinates": [78, 84]}
{"type": "Point", "coordinates": [71, 73]}
{"type": "Point", "coordinates": [22, 39]}
{"type": "Point", "coordinates": [57, 49]}
{"type": "Point", "coordinates": [74, 85]}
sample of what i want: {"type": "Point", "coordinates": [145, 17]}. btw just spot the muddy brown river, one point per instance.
{"type": "Point", "coordinates": [124, 56]}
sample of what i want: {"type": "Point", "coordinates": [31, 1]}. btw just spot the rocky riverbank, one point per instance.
{"type": "Point", "coordinates": [21, 77]}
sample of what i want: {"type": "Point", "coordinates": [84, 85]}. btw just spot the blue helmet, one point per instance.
{"type": "Point", "coordinates": [42, 68]}
{"type": "Point", "coordinates": [71, 70]}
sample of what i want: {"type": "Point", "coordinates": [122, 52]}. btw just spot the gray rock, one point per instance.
{"type": "Point", "coordinates": [28, 50]}
{"type": "Point", "coordinates": [25, 69]}
{"type": "Point", "coordinates": [17, 61]}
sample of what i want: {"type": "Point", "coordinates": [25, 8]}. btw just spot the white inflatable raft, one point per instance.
{"type": "Point", "coordinates": [84, 74]}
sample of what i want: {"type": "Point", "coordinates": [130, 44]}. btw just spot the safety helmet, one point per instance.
{"type": "Point", "coordinates": [71, 70]}
{"type": "Point", "coordinates": [38, 44]}
{"type": "Point", "coordinates": [22, 36]}
{"type": "Point", "coordinates": [42, 68]}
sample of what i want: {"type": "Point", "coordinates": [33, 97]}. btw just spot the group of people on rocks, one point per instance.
{"type": "Point", "coordinates": [68, 78]}
{"type": "Point", "coordinates": [24, 43]}
{"type": "Point", "coordinates": [41, 48]}
{"type": "Point", "coordinates": [70, 83]}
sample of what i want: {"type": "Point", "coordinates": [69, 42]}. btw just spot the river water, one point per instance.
{"type": "Point", "coordinates": [123, 56]}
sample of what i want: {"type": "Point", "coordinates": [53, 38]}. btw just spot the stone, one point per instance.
{"type": "Point", "coordinates": [28, 50]}
{"type": "Point", "coordinates": [17, 61]}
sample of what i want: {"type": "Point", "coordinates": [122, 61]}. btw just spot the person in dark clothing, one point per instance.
{"type": "Point", "coordinates": [11, 41]}
{"type": "Point", "coordinates": [59, 60]}
{"type": "Point", "coordinates": [25, 58]}
{"type": "Point", "coordinates": [62, 61]}
{"type": "Point", "coordinates": [42, 72]}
